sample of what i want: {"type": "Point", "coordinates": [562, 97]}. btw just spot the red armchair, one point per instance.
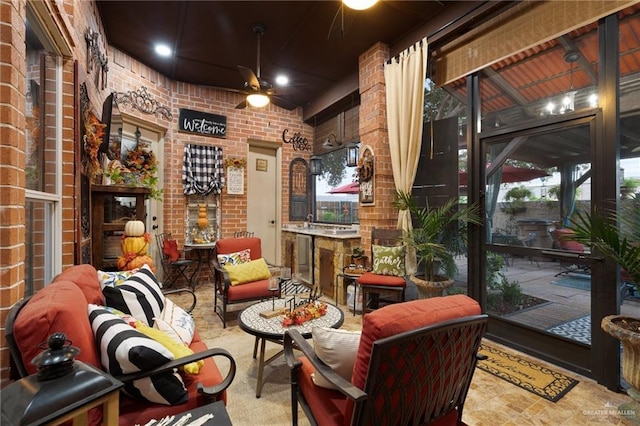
{"type": "Point", "coordinates": [414, 365]}
{"type": "Point", "coordinates": [225, 292]}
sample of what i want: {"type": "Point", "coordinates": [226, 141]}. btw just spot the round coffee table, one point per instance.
{"type": "Point", "coordinates": [271, 329]}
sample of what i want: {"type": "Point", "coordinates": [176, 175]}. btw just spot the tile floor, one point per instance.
{"type": "Point", "coordinates": [491, 400]}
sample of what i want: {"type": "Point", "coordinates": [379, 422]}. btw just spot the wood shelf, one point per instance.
{"type": "Point", "coordinates": [103, 200]}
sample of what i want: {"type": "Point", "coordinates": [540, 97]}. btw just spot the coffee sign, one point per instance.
{"type": "Point", "coordinates": [202, 123]}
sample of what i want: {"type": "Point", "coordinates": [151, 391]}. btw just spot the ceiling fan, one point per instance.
{"type": "Point", "coordinates": [259, 92]}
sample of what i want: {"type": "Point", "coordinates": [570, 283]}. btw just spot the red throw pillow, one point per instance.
{"type": "Point", "coordinates": [170, 249]}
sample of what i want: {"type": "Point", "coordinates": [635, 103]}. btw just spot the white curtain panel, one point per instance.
{"type": "Point", "coordinates": [405, 77]}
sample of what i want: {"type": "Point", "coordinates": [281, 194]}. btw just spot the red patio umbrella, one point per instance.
{"type": "Point", "coordinates": [350, 188]}
{"type": "Point", "coordinates": [511, 174]}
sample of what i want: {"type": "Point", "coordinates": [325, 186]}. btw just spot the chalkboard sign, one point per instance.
{"type": "Point", "coordinates": [202, 123]}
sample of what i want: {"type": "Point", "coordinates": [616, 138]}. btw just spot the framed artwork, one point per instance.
{"type": "Point", "coordinates": [235, 180]}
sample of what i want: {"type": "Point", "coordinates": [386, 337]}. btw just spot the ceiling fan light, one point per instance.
{"type": "Point", "coordinates": [258, 100]}
{"type": "Point", "coordinates": [359, 4]}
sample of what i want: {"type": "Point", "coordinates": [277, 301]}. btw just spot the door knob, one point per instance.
{"type": "Point", "coordinates": [154, 227]}
{"type": "Point", "coordinates": [273, 222]}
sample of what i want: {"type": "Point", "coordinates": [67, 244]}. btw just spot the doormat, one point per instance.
{"type": "Point", "coordinates": [542, 381]}
{"type": "Point", "coordinates": [582, 282]}
{"type": "Point", "coordinates": [578, 329]}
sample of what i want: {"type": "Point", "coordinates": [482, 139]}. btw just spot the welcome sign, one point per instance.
{"type": "Point", "coordinates": [202, 123]}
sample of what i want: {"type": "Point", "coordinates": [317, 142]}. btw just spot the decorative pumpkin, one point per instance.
{"type": "Point", "coordinates": [131, 261]}
{"type": "Point", "coordinates": [135, 245]}
{"type": "Point", "coordinates": [134, 228]}
{"type": "Point", "coordinates": [202, 221]}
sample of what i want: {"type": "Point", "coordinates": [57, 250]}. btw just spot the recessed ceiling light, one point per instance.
{"type": "Point", "coordinates": [163, 50]}
{"type": "Point", "coordinates": [282, 80]}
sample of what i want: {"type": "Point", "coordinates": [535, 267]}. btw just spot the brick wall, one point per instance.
{"type": "Point", "coordinates": [373, 132]}
{"type": "Point", "coordinates": [125, 74]}
{"type": "Point", "coordinates": [12, 163]}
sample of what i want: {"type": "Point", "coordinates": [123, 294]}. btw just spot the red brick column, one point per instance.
{"type": "Point", "coordinates": [373, 132]}
{"type": "Point", "coordinates": [12, 165]}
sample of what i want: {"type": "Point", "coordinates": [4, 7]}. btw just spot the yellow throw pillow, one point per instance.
{"type": "Point", "coordinates": [255, 270]}
{"type": "Point", "coordinates": [176, 349]}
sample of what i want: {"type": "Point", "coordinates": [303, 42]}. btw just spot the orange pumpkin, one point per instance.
{"type": "Point", "coordinates": [131, 261]}
{"type": "Point", "coordinates": [135, 245]}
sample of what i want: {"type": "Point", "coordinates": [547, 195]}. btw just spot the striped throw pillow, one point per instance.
{"type": "Point", "coordinates": [123, 350]}
{"type": "Point", "coordinates": [139, 296]}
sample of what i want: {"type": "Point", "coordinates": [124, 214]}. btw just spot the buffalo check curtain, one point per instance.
{"type": "Point", "coordinates": [202, 170]}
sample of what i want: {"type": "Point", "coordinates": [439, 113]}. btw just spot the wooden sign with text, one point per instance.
{"type": "Point", "coordinates": [202, 123]}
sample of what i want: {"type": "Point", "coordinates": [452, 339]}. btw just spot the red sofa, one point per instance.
{"type": "Point", "coordinates": [62, 307]}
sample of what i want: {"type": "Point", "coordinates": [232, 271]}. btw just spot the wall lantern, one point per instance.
{"type": "Point", "coordinates": [315, 165]}
{"type": "Point", "coordinates": [352, 154]}
{"type": "Point", "coordinates": [62, 388]}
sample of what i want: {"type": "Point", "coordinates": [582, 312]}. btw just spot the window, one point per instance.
{"type": "Point", "coordinates": [43, 151]}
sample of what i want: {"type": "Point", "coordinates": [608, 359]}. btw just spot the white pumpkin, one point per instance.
{"type": "Point", "coordinates": [134, 228]}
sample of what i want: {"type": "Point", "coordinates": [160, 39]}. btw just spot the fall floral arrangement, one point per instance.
{"type": "Point", "coordinates": [236, 163]}
{"type": "Point", "coordinates": [138, 168]}
{"type": "Point", "coordinates": [93, 133]}
{"type": "Point", "coordinates": [303, 313]}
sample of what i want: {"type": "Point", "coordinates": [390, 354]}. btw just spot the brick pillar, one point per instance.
{"type": "Point", "coordinates": [12, 165]}
{"type": "Point", "coordinates": [373, 132]}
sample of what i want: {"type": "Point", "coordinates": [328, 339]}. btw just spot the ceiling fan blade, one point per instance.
{"type": "Point", "coordinates": [242, 105]}
{"type": "Point", "coordinates": [249, 77]}
{"type": "Point", "coordinates": [283, 103]}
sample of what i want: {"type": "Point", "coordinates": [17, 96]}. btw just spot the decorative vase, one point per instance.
{"type": "Point", "coordinates": [203, 220]}
{"type": "Point", "coordinates": [630, 339]}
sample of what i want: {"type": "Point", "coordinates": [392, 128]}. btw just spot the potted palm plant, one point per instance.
{"type": "Point", "coordinates": [622, 245]}
{"type": "Point", "coordinates": [437, 237]}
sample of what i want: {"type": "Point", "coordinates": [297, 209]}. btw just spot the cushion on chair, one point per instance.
{"type": "Point", "coordinates": [243, 273]}
{"type": "Point", "coordinates": [170, 249]}
{"type": "Point", "coordinates": [337, 349]}
{"type": "Point", "coordinates": [231, 245]}
{"type": "Point", "coordinates": [131, 414]}
{"type": "Point", "coordinates": [235, 258]}
{"type": "Point", "coordinates": [176, 322]}
{"type": "Point", "coordinates": [388, 260]}
{"type": "Point", "coordinates": [115, 278]}
{"type": "Point", "coordinates": [85, 277]}
{"type": "Point", "coordinates": [177, 348]}
{"type": "Point", "coordinates": [123, 350]}
{"type": "Point", "coordinates": [369, 278]}
{"type": "Point", "coordinates": [331, 403]}
{"type": "Point", "coordinates": [59, 307]}
{"type": "Point", "coordinates": [253, 290]}
{"type": "Point", "coordinates": [397, 318]}
{"type": "Point", "coordinates": [139, 296]}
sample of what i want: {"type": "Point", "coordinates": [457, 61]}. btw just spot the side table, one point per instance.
{"type": "Point", "coordinates": [338, 291]}
{"type": "Point", "coordinates": [271, 329]}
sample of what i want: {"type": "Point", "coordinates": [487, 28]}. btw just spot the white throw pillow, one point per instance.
{"type": "Point", "coordinates": [176, 322]}
{"type": "Point", "coordinates": [336, 348]}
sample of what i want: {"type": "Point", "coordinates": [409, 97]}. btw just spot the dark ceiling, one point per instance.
{"type": "Point", "coordinates": [316, 43]}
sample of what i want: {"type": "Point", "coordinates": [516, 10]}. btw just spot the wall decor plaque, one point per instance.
{"type": "Point", "coordinates": [202, 123]}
